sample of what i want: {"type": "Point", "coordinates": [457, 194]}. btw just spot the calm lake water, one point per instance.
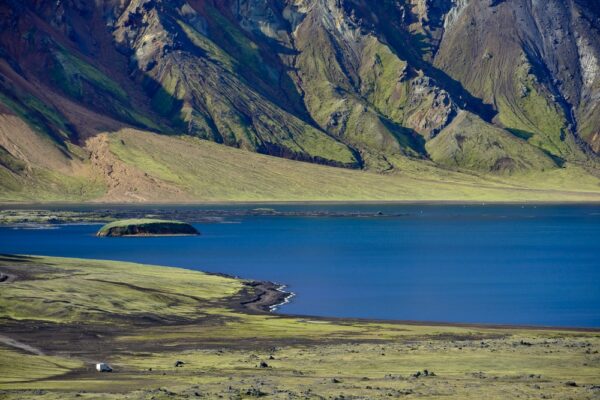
{"type": "Point", "coordinates": [536, 265]}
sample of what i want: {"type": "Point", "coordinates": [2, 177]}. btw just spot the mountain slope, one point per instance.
{"type": "Point", "coordinates": [536, 62]}
{"type": "Point", "coordinates": [494, 89]}
{"type": "Point", "coordinates": [132, 165]}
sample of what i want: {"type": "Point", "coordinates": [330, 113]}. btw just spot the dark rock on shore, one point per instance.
{"type": "Point", "coordinates": [263, 296]}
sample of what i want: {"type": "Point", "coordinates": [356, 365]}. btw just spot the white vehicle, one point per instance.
{"type": "Point", "coordinates": [103, 367]}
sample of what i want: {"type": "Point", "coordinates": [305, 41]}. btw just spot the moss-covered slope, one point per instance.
{"type": "Point", "coordinates": [353, 84]}
{"type": "Point", "coordinates": [536, 63]}
{"type": "Point", "coordinates": [468, 142]}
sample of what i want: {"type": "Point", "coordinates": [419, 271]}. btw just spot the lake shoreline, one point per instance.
{"type": "Point", "coordinates": [263, 297]}
{"type": "Point", "coordinates": [303, 202]}
{"type": "Point", "coordinates": [47, 217]}
{"type": "Point", "coordinates": [393, 252]}
{"type": "Point", "coordinates": [195, 339]}
{"type": "Point", "coordinates": [269, 297]}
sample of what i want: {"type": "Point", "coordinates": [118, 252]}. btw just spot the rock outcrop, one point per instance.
{"type": "Point", "coordinates": [347, 83]}
{"type": "Point", "coordinates": [147, 227]}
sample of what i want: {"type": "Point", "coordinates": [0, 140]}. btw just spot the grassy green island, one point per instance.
{"type": "Point", "coordinates": [147, 227]}
{"type": "Point", "coordinates": [60, 316]}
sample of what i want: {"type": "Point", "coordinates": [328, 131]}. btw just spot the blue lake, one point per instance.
{"type": "Point", "coordinates": [535, 265]}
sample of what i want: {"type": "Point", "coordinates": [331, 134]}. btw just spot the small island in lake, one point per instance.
{"type": "Point", "coordinates": [147, 227]}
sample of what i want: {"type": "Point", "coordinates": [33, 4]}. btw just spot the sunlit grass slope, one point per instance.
{"type": "Point", "coordinates": [137, 166]}
{"type": "Point", "coordinates": [205, 171]}
{"type": "Point", "coordinates": [69, 290]}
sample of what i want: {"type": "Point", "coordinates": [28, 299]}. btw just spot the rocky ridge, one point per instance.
{"type": "Point", "coordinates": [348, 83]}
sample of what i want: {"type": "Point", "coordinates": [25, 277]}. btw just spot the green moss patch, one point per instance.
{"type": "Point", "coordinates": [147, 227]}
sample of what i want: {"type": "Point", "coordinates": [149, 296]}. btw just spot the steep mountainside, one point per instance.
{"type": "Point", "coordinates": [492, 88]}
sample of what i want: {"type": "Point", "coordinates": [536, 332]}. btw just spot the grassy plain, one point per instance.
{"type": "Point", "coordinates": [137, 166]}
{"type": "Point", "coordinates": [59, 316]}
{"type": "Point", "coordinates": [210, 172]}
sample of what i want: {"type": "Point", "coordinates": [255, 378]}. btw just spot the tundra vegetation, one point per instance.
{"type": "Point", "coordinates": [174, 333]}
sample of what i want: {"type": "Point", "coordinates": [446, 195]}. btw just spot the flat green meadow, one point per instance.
{"type": "Point", "coordinates": [60, 316]}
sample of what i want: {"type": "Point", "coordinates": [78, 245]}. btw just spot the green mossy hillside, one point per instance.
{"type": "Point", "coordinates": [468, 142]}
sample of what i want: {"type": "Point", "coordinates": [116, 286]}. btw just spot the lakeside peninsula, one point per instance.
{"type": "Point", "coordinates": [175, 333]}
